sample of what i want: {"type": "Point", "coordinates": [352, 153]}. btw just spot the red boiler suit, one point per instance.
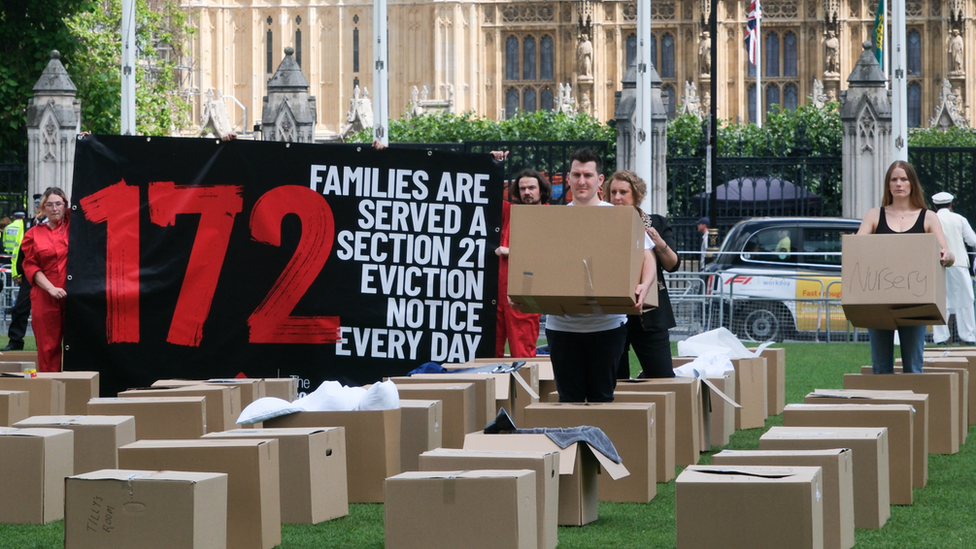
{"type": "Point", "coordinates": [521, 329]}
{"type": "Point", "coordinates": [46, 250]}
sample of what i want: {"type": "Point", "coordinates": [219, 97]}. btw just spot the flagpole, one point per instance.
{"type": "Point", "coordinates": [899, 83]}
{"type": "Point", "coordinates": [759, 93]}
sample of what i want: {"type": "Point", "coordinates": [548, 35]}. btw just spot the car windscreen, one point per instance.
{"type": "Point", "coordinates": [775, 245]}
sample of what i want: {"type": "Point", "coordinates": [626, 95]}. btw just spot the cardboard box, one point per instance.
{"type": "Point", "coordinates": [79, 388]}
{"type": "Point", "coordinates": [251, 389]}
{"type": "Point", "coordinates": [121, 509]}
{"type": "Point", "coordinates": [513, 391]}
{"type": "Point", "coordinates": [470, 509]}
{"type": "Point", "coordinates": [285, 388]}
{"type": "Point", "coordinates": [579, 465]}
{"type": "Point", "coordinates": [629, 426]}
{"type": "Point", "coordinates": [372, 446]}
{"type": "Point", "coordinates": [97, 438]}
{"type": "Point", "coordinates": [580, 272]}
{"type": "Point", "coordinates": [251, 465]}
{"type": "Point", "coordinates": [484, 387]}
{"type": "Point", "coordinates": [16, 367]}
{"type": "Point", "coordinates": [838, 483]}
{"type": "Point", "coordinates": [157, 417]}
{"type": "Point", "coordinates": [775, 379]}
{"type": "Point", "coordinates": [223, 402]}
{"type": "Point", "coordinates": [530, 369]}
{"type": "Point", "coordinates": [963, 397]}
{"type": "Point", "coordinates": [46, 394]}
{"type": "Point", "coordinates": [920, 428]}
{"type": "Point", "coordinates": [34, 464]}
{"type": "Point", "coordinates": [14, 406]}
{"type": "Point", "coordinates": [547, 379]}
{"type": "Point", "coordinates": [750, 390]}
{"type": "Point", "coordinates": [687, 413]}
{"type": "Point", "coordinates": [421, 430]}
{"type": "Point", "coordinates": [721, 418]}
{"type": "Point", "coordinates": [749, 507]}
{"type": "Point", "coordinates": [312, 471]}
{"type": "Point", "coordinates": [943, 391]}
{"type": "Point", "coordinates": [19, 356]}
{"type": "Point", "coordinates": [892, 280]}
{"type": "Point", "coordinates": [870, 445]}
{"type": "Point", "coordinates": [967, 359]}
{"type": "Point", "coordinates": [459, 401]}
{"type": "Point", "coordinates": [897, 418]}
{"type": "Point", "coordinates": [544, 464]}
{"type": "Point", "coordinates": [664, 435]}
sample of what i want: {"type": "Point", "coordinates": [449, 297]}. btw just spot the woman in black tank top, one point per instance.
{"type": "Point", "coordinates": [903, 211]}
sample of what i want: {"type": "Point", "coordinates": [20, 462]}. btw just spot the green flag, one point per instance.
{"type": "Point", "coordinates": [879, 32]}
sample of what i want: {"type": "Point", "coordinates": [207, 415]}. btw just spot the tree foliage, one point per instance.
{"type": "Point", "coordinates": [935, 137]}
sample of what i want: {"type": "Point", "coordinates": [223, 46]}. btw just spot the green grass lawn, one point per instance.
{"type": "Point", "coordinates": [29, 345]}
{"type": "Point", "coordinates": [942, 516]}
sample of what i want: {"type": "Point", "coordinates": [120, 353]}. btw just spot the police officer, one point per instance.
{"type": "Point", "coordinates": [13, 233]}
{"type": "Point", "coordinates": [20, 314]}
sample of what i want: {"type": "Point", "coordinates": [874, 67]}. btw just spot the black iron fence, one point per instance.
{"type": "Point", "coordinates": [13, 188]}
{"type": "Point", "coordinates": [950, 169]}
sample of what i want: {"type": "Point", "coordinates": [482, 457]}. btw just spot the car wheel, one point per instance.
{"type": "Point", "coordinates": [762, 324]}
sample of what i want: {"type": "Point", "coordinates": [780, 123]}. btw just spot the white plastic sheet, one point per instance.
{"type": "Point", "coordinates": [720, 340]}
{"type": "Point", "coordinates": [331, 396]}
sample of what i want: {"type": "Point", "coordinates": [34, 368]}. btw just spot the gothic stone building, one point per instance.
{"type": "Point", "coordinates": [494, 57]}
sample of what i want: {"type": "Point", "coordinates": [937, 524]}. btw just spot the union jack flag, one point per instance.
{"type": "Point", "coordinates": [752, 33]}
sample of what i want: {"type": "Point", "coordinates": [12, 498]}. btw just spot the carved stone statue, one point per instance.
{"type": "Point", "coordinates": [705, 53]}
{"type": "Point", "coordinates": [689, 101]}
{"type": "Point", "coordinates": [832, 65]}
{"type": "Point", "coordinates": [584, 57]}
{"type": "Point", "coordinates": [585, 103]}
{"type": "Point", "coordinates": [956, 53]}
{"type": "Point", "coordinates": [819, 98]}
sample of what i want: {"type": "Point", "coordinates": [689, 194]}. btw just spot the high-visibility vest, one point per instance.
{"type": "Point", "coordinates": [12, 235]}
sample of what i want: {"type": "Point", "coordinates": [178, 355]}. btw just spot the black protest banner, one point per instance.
{"type": "Point", "coordinates": [194, 258]}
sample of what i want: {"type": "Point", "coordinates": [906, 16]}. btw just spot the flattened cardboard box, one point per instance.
{"type": "Point", "coordinates": [897, 418]}
{"type": "Point", "coordinates": [920, 427]}
{"type": "Point", "coordinates": [579, 465]}
{"type": "Point", "coordinates": [870, 445]}
{"type": "Point", "coordinates": [838, 483]}
{"type": "Point", "coordinates": [372, 446]}
{"type": "Point", "coordinates": [748, 507]}
{"type": "Point", "coordinates": [484, 385]}
{"type": "Point", "coordinates": [892, 280]}
{"type": "Point", "coordinates": [943, 391]}
{"type": "Point", "coordinates": [687, 413]}
{"type": "Point", "coordinates": [46, 395]}
{"type": "Point", "coordinates": [459, 407]}
{"type": "Point", "coordinates": [79, 388]}
{"type": "Point", "coordinates": [312, 472]}
{"type": "Point", "coordinates": [97, 438]}
{"type": "Point", "coordinates": [421, 430]}
{"type": "Point", "coordinates": [223, 402]}
{"type": "Point", "coordinates": [121, 509]}
{"type": "Point", "coordinates": [486, 509]}
{"type": "Point", "coordinates": [629, 426]}
{"type": "Point", "coordinates": [14, 406]}
{"type": "Point", "coordinates": [251, 465]}
{"type": "Point", "coordinates": [967, 359]}
{"type": "Point", "coordinates": [664, 434]}
{"type": "Point", "coordinates": [544, 464]}
{"type": "Point", "coordinates": [157, 417]}
{"type": "Point", "coordinates": [35, 462]}
{"type": "Point", "coordinates": [750, 390]}
{"type": "Point", "coordinates": [579, 272]}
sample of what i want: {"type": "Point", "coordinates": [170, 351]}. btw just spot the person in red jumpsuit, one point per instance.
{"type": "Point", "coordinates": [520, 329]}
{"type": "Point", "coordinates": [45, 251]}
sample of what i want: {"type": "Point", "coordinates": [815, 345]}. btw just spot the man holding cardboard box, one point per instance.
{"type": "Point", "coordinates": [585, 348]}
{"type": "Point", "coordinates": [903, 210]}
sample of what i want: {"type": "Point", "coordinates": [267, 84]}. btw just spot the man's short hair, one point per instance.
{"type": "Point", "coordinates": [585, 155]}
{"type": "Point", "coordinates": [545, 187]}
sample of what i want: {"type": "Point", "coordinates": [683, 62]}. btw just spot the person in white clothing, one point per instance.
{"type": "Point", "coordinates": [959, 284]}
{"type": "Point", "coordinates": [585, 349]}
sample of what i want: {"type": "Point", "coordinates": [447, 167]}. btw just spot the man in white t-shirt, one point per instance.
{"type": "Point", "coordinates": [585, 349]}
{"type": "Point", "coordinates": [959, 285]}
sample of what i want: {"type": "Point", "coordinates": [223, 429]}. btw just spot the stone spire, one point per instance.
{"type": "Point", "coordinates": [53, 124]}
{"type": "Point", "coordinates": [289, 111]}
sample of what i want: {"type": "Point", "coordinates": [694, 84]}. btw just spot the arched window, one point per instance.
{"type": "Point", "coordinates": [672, 99]}
{"type": "Point", "coordinates": [791, 96]}
{"type": "Point", "coordinates": [546, 103]}
{"type": "Point", "coordinates": [545, 70]}
{"type": "Point", "coordinates": [528, 100]}
{"type": "Point", "coordinates": [528, 58]}
{"type": "Point", "coordinates": [512, 60]}
{"type": "Point", "coordinates": [667, 56]}
{"type": "Point", "coordinates": [654, 52]}
{"type": "Point", "coordinates": [631, 51]}
{"type": "Point", "coordinates": [789, 54]}
{"type": "Point", "coordinates": [914, 105]}
{"type": "Point", "coordinates": [771, 55]}
{"type": "Point", "coordinates": [752, 103]}
{"type": "Point", "coordinates": [355, 49]}
{"type": "Point", "coordinates": [914, 52]}
{"type": "Point", "coordinates": [298, 47]}
{"type": "Point", "coordinates": [511, 102]}
{"type": "Point", "coordinates": [772, 98]}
